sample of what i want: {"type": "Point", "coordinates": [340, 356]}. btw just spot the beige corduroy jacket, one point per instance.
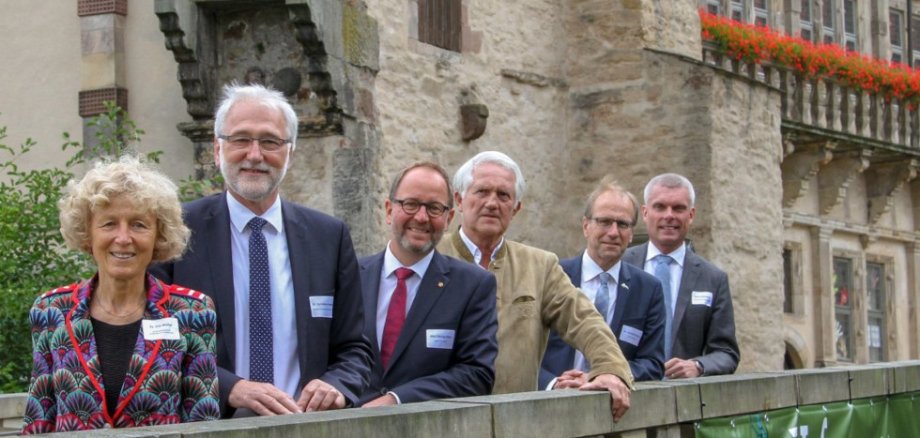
{"type": "Point", "coordinates": [534, 295]}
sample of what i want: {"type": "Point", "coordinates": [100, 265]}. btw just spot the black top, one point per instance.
{"type": "Point", "coordinates": [115, 346]}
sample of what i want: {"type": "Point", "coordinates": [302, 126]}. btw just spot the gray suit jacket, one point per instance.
{"type": "Point", "coordinates": [702, 332]}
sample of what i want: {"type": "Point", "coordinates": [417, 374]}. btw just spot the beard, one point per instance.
{"type": "Point", "coordinates": [255, 187]}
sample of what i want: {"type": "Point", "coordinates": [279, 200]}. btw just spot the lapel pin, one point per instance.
{"type": "Point", "coordinates": [440, 284]}
{"type": "Point", "coordinates": [624, 286]}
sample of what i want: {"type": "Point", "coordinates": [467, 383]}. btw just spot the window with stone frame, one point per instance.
{"type": "Point", "coordinates": [736, 8]}
{"type": "Point", "coordinates": [849, 25]}
{"type": "Point", "coordinates": [827, 21]}
{"type": "Point", "coordinates": [806, 21]}
{"type": "Point", "coordinates": [876, 296]}
{"type": "Point", "coordinates": [439, 23]}
{"type": "Point", "coordinates": [915, 39]}
{"type": "Point", "coordinates": [714, 7]}
{"type": "Point", "coordinates": [843, 308]}
{"type": "Point", "coordinates": [896, 34]}
{"type": "Point", "coordinates": [762, 12]}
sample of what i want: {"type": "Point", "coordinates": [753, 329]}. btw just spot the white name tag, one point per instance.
{"type": "Point", "coordinates": [630, 335]}
{"type": "Point", "coordinates": [161, 329]}
{"type": "Point", "coordinates": [701, 298]}
{"type": "Point", "coordinates": [321, 306]}
{"type": "Point", "coordinates": [443, 339]}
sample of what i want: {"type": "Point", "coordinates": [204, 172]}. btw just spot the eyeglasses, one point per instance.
{"type": "Point", "coordinates": [269, 144]}
{"type": "Point", "coordinates": [411, 206]}
{"type": "Point", "coordinates": [607, 222]}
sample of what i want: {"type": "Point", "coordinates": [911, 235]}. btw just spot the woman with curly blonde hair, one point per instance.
{"type": "Point", "coordinates": [122, 349]}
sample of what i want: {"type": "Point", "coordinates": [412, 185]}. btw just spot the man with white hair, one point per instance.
{"type": "Point", "coordinates": [534, 294]}
{"type": "Point", "coordinates": [699, 320]}
{"type": "Point", "coordinates": [284, 278]}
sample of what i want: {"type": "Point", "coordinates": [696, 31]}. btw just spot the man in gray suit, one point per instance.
{"type": "Point", "coordinates": [700, 322]}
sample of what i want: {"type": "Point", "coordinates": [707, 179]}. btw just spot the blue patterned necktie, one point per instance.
{"type": "Point", "coordinates": [261, 355]}
{"type": "Point", "coordinates": [663, 274]}
{"type": "Point", "coordinates": [602, 300]}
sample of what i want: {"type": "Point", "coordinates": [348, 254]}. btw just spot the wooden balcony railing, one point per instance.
{"type": "Point", "coordinates": [827, 105]}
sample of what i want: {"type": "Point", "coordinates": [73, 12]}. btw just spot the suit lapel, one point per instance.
{"type": "Point", "coordinates": [687, 280]}
{"type": "Point", "coordinates": [370, 287]}
{"type": "Point", "coordinates": [429, 291]}
{"type": "Point", "coordinates": [623, 295]}
{"type": "Point", "coordinates": [298, 250]}
{"type": "Point", "coordinates": [215, 244]}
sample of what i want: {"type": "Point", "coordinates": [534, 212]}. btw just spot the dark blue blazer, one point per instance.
{"type": "Point", "coordinates": [453, 295]}
{"type": "Point", "coordinates": [323, 263]}
{"type": "Point", "coordinates": [640, 305]}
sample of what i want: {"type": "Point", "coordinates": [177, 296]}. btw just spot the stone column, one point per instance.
{"type": "Point", "coordinates": [823, 297]}
{"type": "Point", "coordinates": [913, 299]}
{"type": "Point", "coordinates": [102, 71]}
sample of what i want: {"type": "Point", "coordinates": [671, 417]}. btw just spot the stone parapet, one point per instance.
{"type": "Point", "coordinates": [667, 408]}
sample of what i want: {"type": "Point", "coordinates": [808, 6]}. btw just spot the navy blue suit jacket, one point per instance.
{"type": "Point", "coordinates": [639, 305]}
{"type": "Point", "coordinates": [323, 263]}
{"type": "Point", "coordinates": [453, 295]}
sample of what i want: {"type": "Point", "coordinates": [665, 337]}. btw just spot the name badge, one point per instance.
{"type": "Point", "coordinates": [442, 339]}
{"type": "Point", "coordinates": [161, 329]}
{"type": "Point", "coordinates": [630, 335]}
{"type": "Point", "coordinates": [701, 298]}
{"type": "Point", "coordinates": [321, 306]}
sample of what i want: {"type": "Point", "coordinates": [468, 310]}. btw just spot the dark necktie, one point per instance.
{"type": "Point", "coordinates": [261, 355]}
{"type": "Point", "coordinates": [663, 273]}
{"type": "Point", "coordinates": [396, 316]}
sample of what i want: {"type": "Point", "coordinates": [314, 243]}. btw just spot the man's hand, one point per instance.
{"type": "Point", "coordinates": [680, 369]}
{"type": "Point", "coordinates": [320, 396]}
{"type": "Point", "coordinates": [571, 379]}
{"type": "Point", "coordinates": [384, 400]}
{"type": "Point", "coordinates": [619, 392]}
{"type": "Point", "coordinates": [261, 398]}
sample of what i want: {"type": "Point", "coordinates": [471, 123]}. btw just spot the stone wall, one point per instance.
{"type": "Point", "coordinates": [665, 409]}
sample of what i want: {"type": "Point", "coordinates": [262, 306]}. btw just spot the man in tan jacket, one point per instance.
{"type": "Point", "coordinates": [534, 294]}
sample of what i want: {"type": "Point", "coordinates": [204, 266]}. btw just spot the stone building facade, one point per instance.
{"type": "Point", "coordinates": [797, 199]}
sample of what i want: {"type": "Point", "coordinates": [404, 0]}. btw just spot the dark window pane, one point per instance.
{"type": "Point", "coordinates": [915, 32]}
{"type": "Point", "coordinates": [843, 307]}
{"type": "Point", "coordinates": [896, 57]}
{"type": "Point", "coordinates": [849, 16]}
{"type": "Point", "coordinates": [760, 21]}
{"type": "Point", "coordinates": [713, 9]}
{"type": "Point", "coordinates": [828, 39]}
{"type": "Point", "coordinates": [736, 15]}
{"type": "Point", "coordinates": [827, 13]}
{"type": "Point", "coordinates": [787, 280]}
{"type": "Point", "coordinates": [439, 23]}
{"type": "Point", "coordinates": [760, 4]}
{"type": "Point", "coordinates": [851, 45]}
{"type": "Point", "coordinates": [806, 35]}
{"type": "Point", "coordinates": [805, 14]}
{"type": "Point", "coordinates": [894, 27]}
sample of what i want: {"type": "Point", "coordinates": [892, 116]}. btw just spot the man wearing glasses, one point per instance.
{"type": "Point", "coordinates": [435, 319]}
{"type": "Point", "coordinates": [284, 278]}
{"type": "Point", "coordinates": [628, 298]}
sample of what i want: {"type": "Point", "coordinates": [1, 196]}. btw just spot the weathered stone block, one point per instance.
{"type": "Point", "coordinates": [868, 381]}
{"type": "Point", "coordinates": [904, 377]}
{"type": "Point", "coordinates": [822, 385]}
{"type": "Point", "coordinates": [724, 396]}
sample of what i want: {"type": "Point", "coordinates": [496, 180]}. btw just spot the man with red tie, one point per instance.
{"type": "Point", "coordinates": [435, 326]}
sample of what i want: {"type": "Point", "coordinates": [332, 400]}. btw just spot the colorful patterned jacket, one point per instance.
{"type": "Point", "coordinates": [168, 380]}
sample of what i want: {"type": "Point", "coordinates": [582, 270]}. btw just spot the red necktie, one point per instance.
{"type": "Point", "coordinates": [396, 316]}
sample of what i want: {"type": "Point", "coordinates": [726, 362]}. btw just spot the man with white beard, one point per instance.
{"type": "Point", "coordinates": [284, 278]}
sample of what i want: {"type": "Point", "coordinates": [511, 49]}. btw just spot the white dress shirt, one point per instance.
{"type": "Point", "coordinates": [284, 326]}
{"type": "Point", "coordinates": [590, 284]}
{"type": "Point", "coordinates": [476, 252]}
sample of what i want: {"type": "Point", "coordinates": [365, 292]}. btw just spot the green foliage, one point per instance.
{"type": "Point", "coordinates": [33, 257]}
{"type": "Point", "coordinates": [32, 254]}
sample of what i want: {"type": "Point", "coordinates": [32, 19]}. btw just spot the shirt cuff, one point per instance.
{"type": "Point", "coordinates": [398, 401]}
{"type": "Point", "coordinates": [551, 384]}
